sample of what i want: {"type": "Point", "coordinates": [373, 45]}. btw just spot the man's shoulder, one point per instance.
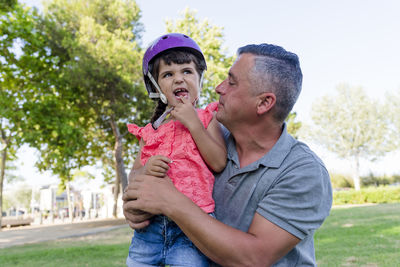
{"type": "Point", "coordinates": [303, 164]}
{"type": "Point", "coordinates": [301, 151]}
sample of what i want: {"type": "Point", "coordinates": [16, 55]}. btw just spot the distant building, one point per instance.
{"type": "Point", "coordinates": [87, 204]}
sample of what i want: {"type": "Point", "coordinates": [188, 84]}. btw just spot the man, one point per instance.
{"type": "Point", "coordinates": [274, 192]}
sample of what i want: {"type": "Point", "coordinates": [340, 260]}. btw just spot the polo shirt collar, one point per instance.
{"type": "Point", "coordinates": [273, 158]}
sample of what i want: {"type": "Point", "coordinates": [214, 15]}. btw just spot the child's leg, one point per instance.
{"type": "Point", "coordinates": [181, 251]}
{"type": "Point", "coordinates": [147, 246]}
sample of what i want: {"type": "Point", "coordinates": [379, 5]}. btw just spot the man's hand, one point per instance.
{"type": "Point", "coordinates": [149, 194]}
{"type": "Point", "coordinates": [157, 166]}
{"type": "Point", "coordinates": [136, 219]}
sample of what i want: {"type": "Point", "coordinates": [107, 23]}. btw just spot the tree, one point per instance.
{"type": "Point", "coordinates": [23, 196]}
{"type": "Point", "coordinates": [97, 42]}
{"type": "Point", "coordinates": [7, 5]}
{"type": "Point", "coordinates": [392, 110]}
{"type": "Point", "coordinates": [8, 152]}
{"type": "Point", "coordinates": [210, 40]}
{"type": "Point", "coordinates": [18, 198]}
{"type": "Point", "coordinates": [16, 27]}
{"type": "Point", "coordinates": [30, 100]}
{"type": "Point", "coordinates": [351, 125]}
{"type": "Point", "coordinates": [293, 126]}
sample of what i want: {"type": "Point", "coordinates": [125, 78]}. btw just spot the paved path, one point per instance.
{"type": "Point", "coordinates": [34, 234]}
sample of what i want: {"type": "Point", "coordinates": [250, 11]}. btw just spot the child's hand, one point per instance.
{"type": "Point", "coordinates": [157, 166]}
{"type": "Point", "coordinates": [185, 113]}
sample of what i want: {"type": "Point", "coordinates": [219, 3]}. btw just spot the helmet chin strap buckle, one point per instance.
{"type": "Point", "coordinates": [154, 95]}
{"type": "Point", "coordinates": [159, 94]}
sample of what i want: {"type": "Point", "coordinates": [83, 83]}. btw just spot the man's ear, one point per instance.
{"type": "Point", "coordinates": [265, 103]}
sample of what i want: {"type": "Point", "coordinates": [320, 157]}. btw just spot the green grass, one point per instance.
{"type": "Point", "coordinates": [103, 249]}
{"type": "Point", "coordinates": [360, 236]}
{"type": "Point", "coordinates": [353, 236]}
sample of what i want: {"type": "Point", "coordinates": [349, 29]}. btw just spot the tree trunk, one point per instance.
{"type": "Point", "coordinates": [70, 206]}
{"type": "Point", "coordinates": [356, 173]}
{"type": "Point", "coordinates": [119, 166]}
{"type": "Point", "coordinates": [2, 175]}
{"type": "Point", "coordinates": [116, 193]}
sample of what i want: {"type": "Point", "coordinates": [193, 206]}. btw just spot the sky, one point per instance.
{"type": "Point", "coordinates": [344, 41]}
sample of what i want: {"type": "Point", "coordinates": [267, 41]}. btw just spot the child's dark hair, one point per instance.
{"type": "Point", "coordinates": [177, 56]}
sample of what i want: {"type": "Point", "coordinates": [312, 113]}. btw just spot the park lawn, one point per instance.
{"type": "Point", "coordinates": [352, 236]}
{"type": "Point", "coordinates": [360, 236]}
{"type": "Point", "coordinates": [103, 249]}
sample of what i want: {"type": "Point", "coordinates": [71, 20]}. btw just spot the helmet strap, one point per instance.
{"type": "Point", "coordinates": [159, 94]}
{"type": "Point", "coordinates": [201, 79]}
{"type": "Point", "coordinates": [201, 86]}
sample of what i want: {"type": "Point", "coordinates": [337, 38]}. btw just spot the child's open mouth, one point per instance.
{"type": "Point", "coordinates": [181, 92]}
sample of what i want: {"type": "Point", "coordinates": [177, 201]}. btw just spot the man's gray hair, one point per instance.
{"type": "Point", "coordinates": [278, 71]}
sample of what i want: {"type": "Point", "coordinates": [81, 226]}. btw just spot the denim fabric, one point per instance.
{"type": "Point", "coordinates": [163, 243]}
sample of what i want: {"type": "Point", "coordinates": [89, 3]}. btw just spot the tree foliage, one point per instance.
{"type": "Point", "coordinates": [7, 5]}
{"type": "Point", "coordinates": [37, 111]}
{"type": "Point", "coordinates": [97, 42]}
{"type": "Point", "coordinates": [71, 79]}
{"type": "Point", "coordinates": [351, 125]}
{"type": "Point", "coordinates": [18, 63]}
{"type": "Point", "coordinates": [293, 126]}
{"type": "Point", "coordinates": [210, 39]}
{"type": "Point", "coordinates": [19, 198]}
{"type": "Point", "coordinates": [392, 110]}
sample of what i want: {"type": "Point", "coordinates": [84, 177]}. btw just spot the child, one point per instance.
{"type": "Point", "coordinates": [180, 142]}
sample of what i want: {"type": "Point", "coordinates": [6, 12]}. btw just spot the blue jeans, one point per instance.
{"type": "Point", "coordinates": [163, 243]}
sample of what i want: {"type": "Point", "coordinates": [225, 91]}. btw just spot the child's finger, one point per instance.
{"type": "Point", "coordinates": [184, 100]}
{"type": "Point", "coordinates": [159, 168]}
{"type": "Point", "coordinates": [157, 174]}
{"type": "Point", "coordinates": [163, 158]}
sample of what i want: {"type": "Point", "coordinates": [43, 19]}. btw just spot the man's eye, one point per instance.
{"type": "Point", "coordinates": [187, 72]}
{"type": "Point", "coordinates": [166, 75]}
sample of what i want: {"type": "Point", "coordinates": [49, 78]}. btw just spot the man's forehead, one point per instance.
{"type": "Point", "coordinates": [242, 65]}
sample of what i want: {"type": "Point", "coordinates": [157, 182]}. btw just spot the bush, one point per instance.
{"type": "Point", "coordinates": [382, 194]}
{"type": "Point", "coordinates": [371, 180]}
{"type": "Point", "coordinates": [346, 181]}
{"type": "Point", "coordinates": [341, 181]}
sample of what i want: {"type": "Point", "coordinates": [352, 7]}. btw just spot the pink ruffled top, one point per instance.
{"type": "Point", "coordinates": [188, 171]}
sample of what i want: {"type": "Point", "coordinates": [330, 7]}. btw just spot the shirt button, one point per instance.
{"type": "Point", "coordinates": [236, 166]}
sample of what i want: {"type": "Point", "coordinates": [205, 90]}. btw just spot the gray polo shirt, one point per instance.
{"type": "Point", "coordinates": [289, 186]}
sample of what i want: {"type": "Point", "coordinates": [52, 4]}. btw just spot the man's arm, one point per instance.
{"type": "Point", "coordinates": [136, 219]}
{"type": "Point", "coordinates": [156, 166]}
{"type": "Point", "coordinates": [262, 245]}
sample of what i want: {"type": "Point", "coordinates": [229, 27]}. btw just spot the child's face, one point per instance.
{"type": "Point", "coordinates": [179, 80]}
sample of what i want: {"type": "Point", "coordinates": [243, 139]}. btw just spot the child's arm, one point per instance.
{"type": "Point", "coordinates": [156, 165]}
{"type": "Point", "coordinates": [219, 155]}
{"type": "Point", "coordinates": [210, 141]}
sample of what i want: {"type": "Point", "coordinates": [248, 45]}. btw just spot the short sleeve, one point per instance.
{"type": "Point", "coordinates": [300, 200]}
{"type": "Point", "coordinates": [135, 130]}
{"type": "Point", "coordinates": [207, 114]}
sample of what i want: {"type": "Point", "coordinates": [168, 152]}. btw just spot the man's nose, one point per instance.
{"type": "Point", "coordinates": [220, 89]}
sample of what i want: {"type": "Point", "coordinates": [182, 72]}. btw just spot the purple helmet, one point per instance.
{"type": "Point", "coordinates": [161, 44]}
